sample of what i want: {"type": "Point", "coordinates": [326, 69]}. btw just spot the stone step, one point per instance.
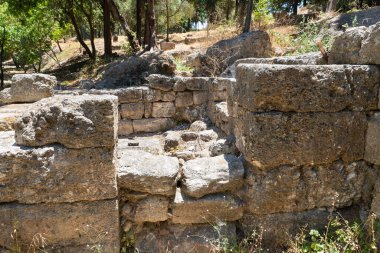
{"type": "Point", "coordinates": [9, 114]}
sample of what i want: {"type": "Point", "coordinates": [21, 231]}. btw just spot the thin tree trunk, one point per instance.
{"type": "Point", "coordinates": [78, 33]}
{"type": "Point", "coordinates": [107, 29]}
{"type": "Point", "coordinates": [146, 27]}
{"type": "Point", "coordinates": [127, 30]}
{"type": "Point", "coordinates": [248, 17]}
{"type": "Point", "coordinates": [92, 38]}
{"type": "Point", "coordinates": [331, 5]}
{"type": "Point", "coordinates": [228, 9]}
{"type": "Point", "coordinates": [59, 46]}
{"type": "Point", "coordinates": [295, 7]}
{"type": "Point", "coordinates": [152, 25]}
{"type": "Point", "coordinates": [139, 12]}
{"type": "Point", "coordinates": [2, 59]}
{"type": "Point", "coordinates": [167, 20]}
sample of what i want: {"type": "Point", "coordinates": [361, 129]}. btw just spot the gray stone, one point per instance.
{"type": "Point", "coordinates": [198, 126]}
{"type": "Point", "coordinates": [132, 111]}
{"type": "Point", "coordinates": [184, 99]}
{"type": "Point", "coordinates": [223, 146]}
{"type": "Point", "coordinates": [197, 83]}
{"type": "Point", "coordinates": [151, 144]}
{"type": "Point", "coordinates": [6, 96]}
{"type": "Point", "coordinates": [211, 208]}
{"type": "Point", "coordinates": [217, 96]}
{"type": "Point", "coordinates": [357, 45]}
{"type": "Point", "coordinates": [163, 110]}
{"type": "Point", "coordinates": [172, 140]}
{"type": "Point", "coordinates": [129, 95]}
{"type": "Point", "coordinates": [148, 108]}
{"type": "Point", "coordinates": [168, 96]}
{"type": "Point", "coordinates": [208, 135]}
{"type": "Point", "coordinates": [153, 125]}
{"type": "Point", "coordinates": [73, 121]}
{"type": "Point", "coordinates": [300, 138]}
{"type": "Point", "coordinates": [150, 209]}
{"type": "Point", "coordinates": [125, 127]}
{"type": "Point", "coordinates": [290, 188]}
{"type": "Point", "coordinates": [145, 172]}
{"type": "Point", "coordinates": [55, 174]}
{"type": "Point", "coordinates": [180, 84]}
{"type": "Point", "coordinates": [375, 205]}
{"type": "Point", "coordinates": [161, 82]}
{"type": "Point", "coordinates": [191, 114]}
{"type": "Point", "coordinates": [200, 97]}
{"type": "Point", "coordinates": [152, 95]}
{"type": "Point", "coordinates": [9, 115]}
{"type": "Point", "coordinates": [71, 227]}
{"type": "Point", "coordinates": [208, 175]}
{"type": "Point", "coordinates": [189, 136]}
{"type": "Point", "coordinates": [302, 88]}
{"type": "Point", "coordinates": [372, 146]}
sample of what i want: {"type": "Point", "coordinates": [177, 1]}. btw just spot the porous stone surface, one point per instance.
{"type": "Point", "coordinates": [357, 45]}
{"type": "Point", "coordinates": [55, 173]}
{"type": "Point", "coordinates": [145, 172]}
{"type": "Point", "coordinates": [148, 143]}
{"type": "Point", "coordinates": [150, 209]}
{"type": "Point", "coordinates": [200, 97]}
{"type": "Point", "coordinates": [198, 126]}
{"type": "Point", "coordinates": [161, 82]}
{"type": "Point", "coordinates": [223, 146]}
{"type": "Point", "coordinates": [73, 121]}
{"type": "Point", "coordinates": [28, 88]}
{"type": "Point", "coordinates": [291, 188]}
{"type": "Point", "coordinates": [210, 208]}
{"type": "Point", "coordinates": [125, 127]}
{"type": "Point", "coordinates": [184, 99]}
{"type": "Point", "coordinates": [300, 138]}
{"type": "Point", "coordinates": [372, 146]}
{"type": "Point", "coordinates": [179, 238]}
{"type": "Point", "coordinates": [9, 115]}
{"type": "Point", "coordinates": [172, 140]}
{"type": "Point", "coordinates": [67, 227]}
{"type": "Point", "coordinates": [153, 124]}
{"type": "Point", "coordinates": [208, 175]}
{"type": "Point", "coordinates": [163, 110]}
{"type": "Point", "coordinates": [302, 88]}
{"type": "Point", "coordinates": [132, 111]}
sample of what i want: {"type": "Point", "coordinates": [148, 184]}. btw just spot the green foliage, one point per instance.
{"type": "Point", "coordinates": [339, 236]}
{"type": "Point", "coordinates": [180, 66]}
{"type": "Point", "coordinates": [261, 13]}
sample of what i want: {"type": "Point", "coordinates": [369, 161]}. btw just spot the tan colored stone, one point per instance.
{"type": "Point", "coordinates": [153, 125]}
{"type": "Point", "coordinates": [148, 110]}
{"type": "Point", "coordinates": [161, 82]}
{"type": "Point", "coordinates": [163, 110]}
{"type": "Point", "coordinates": [72, 227]}
{"type": "Point", "coordinates": [151, 209]}
{"type": "Point", "coordinates": [152, 95]}
{"type": "Point", "coordinates": [73, 121]}
{"type": "Point", "coordinates": [197, 83]}
{"type": "Point", "coordinates": [168, 96]}
{"type": "Point", "coordinates": [129, 95]}
{"type": "Point", "coordinates": [211, 208]}
{"type": "Point", "coordinates": [125, 127]}
{"type": "Point", "coordinates": [218, 96]}
{"type": "Point", "coordinates": [184, 99]}
{"type": "Point", "coordinates": [272, 139]}
{"type": "Point", "coordinates": [167, 45]}
{"type": "Point", "coordinates": [307, 88]}
{"type": "Point", "coordinates": [200, 97]}
{"type": "Point", "coordinates": [132, 111]}
{"type": "Point", "coordinates": [372, 146]}
{"type": "Point", "coordinates": [290, 188]}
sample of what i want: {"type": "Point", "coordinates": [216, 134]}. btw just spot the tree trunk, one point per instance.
{"type": "Point", "coordinates": [2, 59]}
{"type": "Point", "coordinates": [248, 17]}
{"type": "Point", "coordinates": [167, 20]}
{"type": "Point", "coordinates": [92, 37]}
{"type": "Point", "coordinates": [146, 27]}
{"type": "Point", "coordinates": [151, 25]}
{"type": "Point", "coordinates": [295, 7]}
{"type": "Point", "coordinates": [127, 30]}
{"type": "Point", "coordinates": [241, 11]}
{"type": "Point", "coordinates": [304, 3]}
{"type": "Point", "coordinates": [228, 9]}
{"type": "Point", "coordinates": [59, 46]}
{"type": "Point", "coordinates": [139, 12]}
{"type": "Point", "coordinates": [107, 29]}
{"type": "Point", "coordinates": [331, 5]}
{"type": "Point", "coordinates": [73, 20]}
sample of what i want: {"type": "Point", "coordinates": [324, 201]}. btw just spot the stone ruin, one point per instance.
{"type": "Point", "coordinates": [287, 142]}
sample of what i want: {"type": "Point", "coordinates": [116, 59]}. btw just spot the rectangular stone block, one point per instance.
{"type": "Point", "coordinates": [200, 97]}
{"type": "Point", "coordinates": [125, 127]}
{"type": "Point", "coordinates": [67, 227]}
{"type": "Point", "coordinates": [55, 173]}
{"type": "Point", "coordinates": [208, 209]}
{"type": "Point", "coordinates": [168, 96]}
{"type": "Point", "coordinates": [197, 83]}
{"type": "Point", "coordinates": [292, 188]}
{"type": "Point", "coordinates": [73, 121]}
{"type": "Point", "coordinates": [163, 110]}
{"type": "Point", "coordinates": [132, 111]}
{"type": "Point", "coordinates": [372, 146]}
{"type": "Point", "coordinates": [129, 95]}
{"type": "Point", "coordinates": [152, 125]}
{"type": "Point", "coordinates": [272, 139]}
{"type": "Point", "coordinates": [151, 95]}
{"type": "Point", "coordinates": [307, 88]}
{"type": "Point", "coordinates": [184, 99]}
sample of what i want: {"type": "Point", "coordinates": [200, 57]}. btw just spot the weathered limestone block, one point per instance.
{"type": "Point", "coordinates": [172, 140]}
{"type": "Point", "coordinates": [303, 88]}
{"type": "Point", "coordinates": [153, 125]}
{"type": "Point", "coordinates": [217, 96]}
{"type": "Point", "coordinates": [189, 136]}
{"type": "Point", "coordinates": [190, 114]}
{"type": "Point", "coordinates": [178, 238]}
{"type": "Point", "coordinates": [163, 110]}
{"type": "Point", "coordinates": [125, 127]}
{"type": "Point", "coordinates": [223, 146]}
{"type": "Point", "coordinates": [357, 45]}
{"type": "Point", "coordinates": [200, 97]}
{"type": "Point", "coordinates": [212, 174]}
{"type": "Point", "coordinates": [132, 110]}
{"type": "Point", "coordinates": [145, 143]}
{"type": "Point", "coordinates": [197, 83]}
{"type": "Point", "coordinates": [208, 135]}
{"type": "Point", "coordinates": [73, 121]}
{"type": "Point", "coordinates": [290, 188]}
{"type": "Point", "coordinates": [180, 84]}
{"type": "Point", "coordinates": [184, 99]}
{"type": "Point", "coordinates": [198, 126]}
{"type": "Point", "coordinates": [67, 227]}
{"type": "Point", "coordinates": [55, 173]}
{"type": "Point", "coordinates": [150, 209]}
{"type": "Point", "coordinates": [372, 146]}
{"type": "Point", "coordinates": [144, 172]}
{"type": "Point", "coordinates": [9, 115]}
{"type": "Point", "coordinates": [220, 83]}
{"type": "Point", "coordinates": [151, 95]}
{"type": "Point", "coordinates": [148, 108]}
{"type": "Point", "coordinates": [32, 87]}
{"type": "Point", "coordinates": [208, 209]}
{"type": "Point", "coordinates": [6, 96]}
{"type": "Point", "coordinates": [168, 96]}
{"type": "Point", "coordinates": [272, 139]}
{"type": "Point", "coordinates": [161, 82]}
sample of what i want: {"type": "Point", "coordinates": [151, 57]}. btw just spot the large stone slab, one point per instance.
{"type": "Point", "coordinates": [307, 88]}
{"type": "Point", "coordinates": [372, 146]}
{"type": "Point", "coordinates": [273, 139]}
{"type": "Point", "coordinates": [211, 208]}
{"type": "Point", "coordinates": [55, 173]}
{"type": "Point", "coordinates": [70, 227]}
{"type": "Point", "coordinates": [73, 121]}
{"type": "Point", "coordinates": [290, 188]}
{"type": "Point", "coordinates": [207, 175]}
{"type": "Point", "coordinates": [145, 172]}
{"type": "Point", "coordinates": [153, 125]}
{"type": "Point", "coordinates": [150, 209]}
{"type": "Point", "coordinates": [28, 88]}
{"type": "Point", "coordinates": [357, 45]}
